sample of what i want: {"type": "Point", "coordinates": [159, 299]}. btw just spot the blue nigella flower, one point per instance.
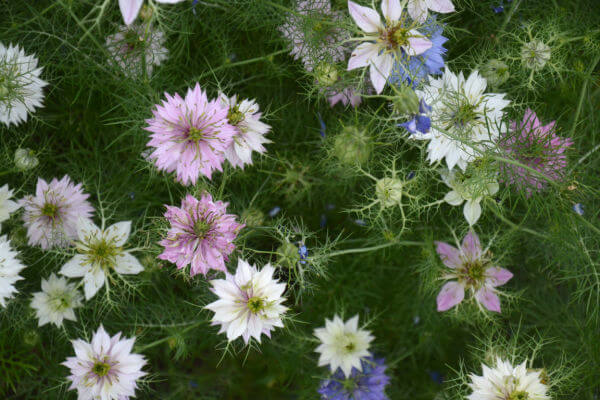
{"type": "Point", "coordinates": [413, 70]}
{"type": "Point", "coordinates": [366, 385]}
{"type": "Point", "coordinates": [303, 251]}
{"type": "Point", "coordinates": [498, 9]}
{"type": "Point", "coordinates": [420, 122]}
{"type": "Point", "coordinates": [578, 208]}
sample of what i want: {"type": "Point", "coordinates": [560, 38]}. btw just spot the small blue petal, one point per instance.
{"type": "Point", "coordinates": [578, 208]}
{"type": "Point", "coordinates": [274, 211]}
{"type": "Point", "coordinates": [423, 123]}
{"type": "Point", "coordinates": [322, 123]}
{"type": "Point", "coordinates": [423, 107]}
{"type": "Point", "coordinates": [410, 126]}
{"type": "Point", "coordinates": [410, 175]}
{"type": "Point", "coordinates": [498, 9]}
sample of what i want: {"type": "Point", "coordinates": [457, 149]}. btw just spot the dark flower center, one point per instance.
{"type": "Point", "coordinates": [234, 115]}
{"type": "Point", "coordinates": [101, 369]}
{"type": "Point", "coordinates": [133, 41]}
{"type": "Point", "coordinates": [255, 304]}
{"type": "Point", "coordinates": [475, 271]}
{"type": "Point", "coordinates": [195, 134]}
{"type": "Point", "coordinates": [464, 114]}
{"type": "Point", "coordinates": [50, 210]}
{"type": "Point", "coordinates": [201, 228]}
{"type": "Point", "coordinates": [395, 36]}
{"type": "Point", "coordinates": [350, 347]}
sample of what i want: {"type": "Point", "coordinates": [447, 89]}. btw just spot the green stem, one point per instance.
{"type": "Point", "coordinates": [582, 93]}
{"type": "Point", "coordinates": [373, 248]}
{"type": "Point", "coordinates": [166, 338]}
{"type": "Point", "coordinates": [244, 62]}
{"type": "Point", "coordinates": [512, 10]}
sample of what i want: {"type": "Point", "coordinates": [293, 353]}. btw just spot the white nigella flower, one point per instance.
{"type": "Point", "coordinates": [468, 190]}
{"type": "Point", "coordinates": [131, 8]}
{"type": "Point", "coordinates": [250, 130]}
{"type": "Point", "coordinates": [506, 382]}
{"type": "Point", "coordinates": [132, 44]}
{"type": "Point", "coordinates": [535, 54]}
{"type": "Point", "coordinates": [10, 267]}
{"type": "Point", "coordinates": [464, 120]}
{"type": "Point", "coordinates": [384, 42]}
{"type": "Point", "coordinates": [105, 368]}
{"type": "Point", "coordinates": [7, 206]}
{"type": "Point", "coordinates": [21, 89]}
{"type": "Point", "coordinates": [56, 301]}
{"type": "Point", "coordinates": [100, 252]}
{"type": "Point", "coordinates": [249, 302]}
{"type": "Point", "coordinates": [417, 9]}
{"type": "Point", "coordinates": [343, 344]}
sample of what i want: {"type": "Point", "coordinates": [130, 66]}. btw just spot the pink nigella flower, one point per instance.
{"type": "Point", "coordinates": [537, 146]}
{"type": "Point", "coordinates": [51, 215]}
{"type": "Point", "coordinates": [345, 96]}
{"type": "Point", "coordinates": [473, 270]}
{"type": "Point", "coordinates": [190, 135]}
{"type": "Point", "coordinates": [201, 234]}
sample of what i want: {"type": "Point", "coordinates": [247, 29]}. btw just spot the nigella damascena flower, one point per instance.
{"type": "Point", "coordinates": [201, 234]}
{"type": "Point", "coordinates": [105, 368]}
{"type": "Point", "coordinates": [245, 116]}
{"type": "Point", "coordinates": [190, 136]}
{"type": "Point", "coordinates": [471, 269]}
{"type": "Point", "coordinates": [10, 267]}
{"type": "Point", "coordinates": [384, 44]}
{"type": "Point", "coordinates": [249, 302]}
{"type": "Point", "coordinates": [536, 146]}
{"type": "Point", "coordinates": [366, 384]}
{"type": "Point", "coordinates": [505, 381]}
{"type": "Point", "coordinates": [343, 344]}
{"type": "Point", "coordinates": [132, 44]}
{"type": "Point", "coordinates": [313, 34]}
{"type": "Point", "coordinates": [57, 301]}
{"type": "Point", "coordinates": [413, 70]}
{"type": "Point", "coordinates": [51, 215]}
{"type": "Point", "coordinates": [7, 206]}
{"type": "Point", "coordinates": [21, 89]}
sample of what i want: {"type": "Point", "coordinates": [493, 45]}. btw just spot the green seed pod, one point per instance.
{"type": "Point", "coordinates": [406, 101]}
{"type": "Point", "coordinates": [253, 217]}
{"type": "Point", "coordinates": [287, 255]}
{"type": "Point", "coordinates": [326, 74]}
{"type": "Point", "coordinates": [495, 72]}
{"type": "Point", "coordinates": [353, 146]}
{"type": "Point", "coordinates": [31, 338]}
{"type": "Point", "coordinates": [25, 159]}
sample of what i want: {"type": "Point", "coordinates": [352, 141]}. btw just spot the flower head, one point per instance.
{"type": "Point", "coordinates": [10, 267]}
{"type": "Point", "coordinates": [201, 234]}
{"type": "Point", "coordinates": [417, 9]}
{"type": "Point", "coordinates": [21, 89]}
{"type": "Point", "coordinates": [505, 381]}
{"type": "Point", "coordinates": [51, 215]}
{"type": "Point", "coordinates": [105, 368]}
{"type": "Point", "coordinates": [343, 344]}
{"type": "Point", "coordinates": [7, 206]}
{"type": "Point", "coordinates": [535, 54]}
{"type": "Point", "coordinates": [367, 384]}
{"type": "Point", "coordinates": [471, 269]}
{"type": "Point", "coordinates": [56, 301]}
{"type": "Point", "coordinates": [249, 302]}
{"type": "Point", "coordinates": [470, 190]}
{"type": "Point", "coordinates": [190, 136]}
{"type": "Point", "coordinates": [465, 120]}
{"type": "Point", "coordinates": [538, 147]}
{"type": "Point", "coordinates": [313, 35]}
{"type": "Point", "coordinates": [384, 43]}
{"type": "Point", "coordinates": [133, 45]}
{"type": "Point", "coordinates": [100, 252]}
{"type": "Point", "coordinates": [250, 132]}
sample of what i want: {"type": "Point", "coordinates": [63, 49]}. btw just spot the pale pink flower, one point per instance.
{"type": "Point", "coordinates": [417, 9]}
{"type": "Point", "coordinates": [105, 368]}
{"type": "Point", "coordinates": [473, 270]}
{"type": "Point", "coordinates": [51, 215]}
{"type": "Point", "coordinates": [201, 234]}
{"type": "Point", "coordinates": [190, 136]}
{"type": "Point", "coordinates": [384, 43]}
{"type": "Point", "coordinates": [346, 96]}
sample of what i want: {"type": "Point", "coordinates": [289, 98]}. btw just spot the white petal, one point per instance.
{"type": "Point", "coordinates": [119, 232]}
{"type": "Point", "coordinates": [453, 198]}
{"type": "Point", "coordinates": [130, 9]}
{"type": "Point", "coordinates": [380, 70]}
{"type": "Point", "coordinates": [366, 18]}
{"type": "Point", "coordinates": [441, 6]}
{"type": "Point", "coordinates": [391, 9]}
{"type": "Point", "coordinates": [93, 281]}
{"type": "Point", "coordinates": [128, 264]}
{"type": "Point", "coordinates": [363, 55]}
{"type": "Point", "coordinates": [74, 268]}
{"type": "Point", "coordinates": [472, 211]}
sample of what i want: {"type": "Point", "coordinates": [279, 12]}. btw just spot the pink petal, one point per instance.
{"type": "Point", "coordinates": [380, 69]}
{"type": "Point", "coordinates": [471, 246]}
{"type": "Point", "coordinates": [441, 6]}
{"type": "Point", "coordinates": [130, 9]}
{"type": "Point", "coordinates": [488, 298]}
{"type": "Point", "coordinates": [362, 55]}
{"type": "Point", "coordinates": [449, 254]}
{"type": "Point", "coordinates": [417, 45]}
{"type": "Point", "coordinates": [497, 276]}
{"type": "Point", "coordinates": [451, 294]}
{"type": "Point", "coordinates": [417, 9]}
{"type": "Point", "coordinates": [366, 18]}
{"type": "Point", "coordinates": [391, 9]}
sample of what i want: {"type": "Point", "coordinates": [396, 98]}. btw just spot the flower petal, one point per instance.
{"type": "Point", "coordinates": [130, 9]}
{"type": "Point", "coordinates": [380, 70]}
{"type": "Point", "coordinates": [451, 294]}
{"type": "Point", "coordinates": [363, 55]}
{"type": "Point", "coordinates": [366, 18]}
{"type": "Point", "coordinates": [488, 298]}
{"type": "Point", "coordinates": [118, 232]}
{"type": "Point", "coordinates": [441, 6]}
{"type": "Point", "coordinates": [92, 282]}
{"type": "Point", "coordinates": [128, 264]}
{"type": "Point", "coordinates": [497, 276]}
{"type": "Point", "coordinates": [417, 45]}
{"type": "Point", "coordinates": [471, 247]}
{"type": "Point", "coordinates": [472, 211]}
{"type": "Point", "coordinates": [449, 255]}
{"type": "Point", "coordinates": [74, 268]}
{"type": "Point", "coordinates": [391, 9]}
{"type": "Point", "coordinates": [453, 198]}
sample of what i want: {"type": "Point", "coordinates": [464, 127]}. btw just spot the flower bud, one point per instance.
{"type": "Point", "coordinates": [326, 74]}
{"type": "Point", "coordinates": [495, 72]}
{"type": "Point", "coordinates": [406, 101]}
{"type": "Point", "coordinates": [389, 191]}
{"type": "Point", "coordinates": [253, 217]}
{"type": "Point", "coordinates": [25, 159]}
{"type": "Point", "coordinates": [288, 255]}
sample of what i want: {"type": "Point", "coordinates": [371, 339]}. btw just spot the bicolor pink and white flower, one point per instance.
{"type": "Point", "coordinates": [7, 206]}
{"type": "Point", "coordinates": [417, 9]}
{"type": "Point", "coordinates": [201, 234]}
{"type": "Point", "coordinates": [105, 368]}
{"type": "Point", "coordinates": [250, 134]}
{"type": "Point", "coordinates": [51, 215]}
{"type": "Point", "coordinates": [190, 136]}
{"type": "Point", "coordinates": [384, 42]}
{"type": "Point", "coordinates": [131, 8]}
{"type": "Point", "coordinates": [250, 302]}
{"type": "Point", "coordinates": [536, 146]}
{"type": "Point", "coordinates": [472, 269]}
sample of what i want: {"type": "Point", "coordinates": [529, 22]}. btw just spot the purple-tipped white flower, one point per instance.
{"type": "Point", "coordinates": [10, 267]}
{"type": "Point", "coordinates": [249, 302]}
{"type": "Point", "coordinates": [51, 215]}
{"type": "Point", "coordinates": [343, 344]}
{"type": "Point", "coordinates": [105, 368]}
{"type": "Point", "coordinates": [250, 134]}
{"type": "Point", "coordinates": [56, 302]}
{"type": "Point", "coordinates": [7, 206]}
{"type": "Point", "coordinates": [21, 89]}
{"type": "Point", "coordinates": [201, 234]}
{"type": "Point", "coordinates": [190, 136]}
{"type": "Point", "coordinates": [473, 270]}
{"type": "Point", "coordinates": [100, 251]}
